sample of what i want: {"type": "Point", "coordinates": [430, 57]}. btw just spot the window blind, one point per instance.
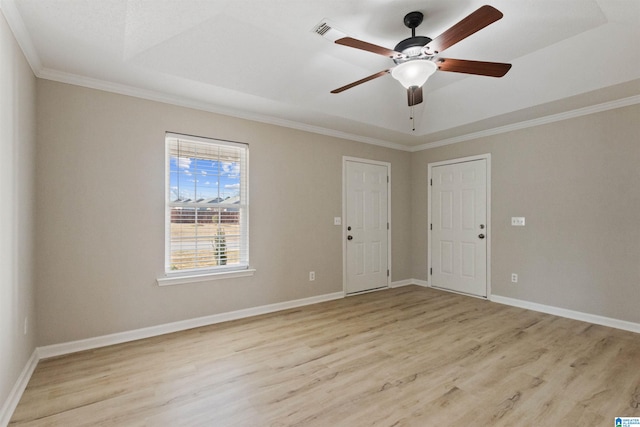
{"type": "Point", "coordinates": [207, 204]}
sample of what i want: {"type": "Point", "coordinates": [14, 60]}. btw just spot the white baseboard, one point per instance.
{"type": "Point", "coordinates": [400, 283]}
{"type": "Point", "coordinates": [18, 388]}
{"type": "Point", "coordinates": [408, 282]}
{"type": "Point", "coordinates": [152, 331]}
{"type": "Point", "coordinates": [71, 347]}
{"type": "Point", "coordinates": [571, 314]}
{"type": "Point", "coordinates": [90, 343]}
{"type": "Point", "coordinates": [549, 309]}
{"type": "Point", "coordinates": [422, 283]}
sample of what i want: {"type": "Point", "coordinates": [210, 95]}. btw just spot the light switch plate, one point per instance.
{"type": "Point", "coordinates": [337, 220]}
{"type": "Point", "coordinates": [517, 221]}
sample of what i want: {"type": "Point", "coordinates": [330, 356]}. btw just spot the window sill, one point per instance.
{"type": "Point", "coordinates": [194, 278]}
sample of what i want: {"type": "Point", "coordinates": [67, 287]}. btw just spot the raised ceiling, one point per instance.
{"type": "Point", "coordinates": [261, 59]}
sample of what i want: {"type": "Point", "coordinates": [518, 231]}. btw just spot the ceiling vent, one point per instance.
{"type": "Point", "coordinates": [322, 28]}
{"type": "Point", "coordinates": [328, 31]}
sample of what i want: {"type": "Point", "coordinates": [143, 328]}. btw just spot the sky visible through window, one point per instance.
{"type": "Point", "coordinates": [203, 180]}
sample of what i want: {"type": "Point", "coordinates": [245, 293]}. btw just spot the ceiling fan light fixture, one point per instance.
{"type": "Point", "coordinates": [413, 73]}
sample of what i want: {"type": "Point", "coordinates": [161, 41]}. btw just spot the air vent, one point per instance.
{"type": "Point", "coordinates": [328, 31]}
{"type": "Point", "coordinates": [322, 28]}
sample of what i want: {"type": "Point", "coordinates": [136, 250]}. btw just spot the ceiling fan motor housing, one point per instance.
{"type": "Point", "coordinates": [412, 46]}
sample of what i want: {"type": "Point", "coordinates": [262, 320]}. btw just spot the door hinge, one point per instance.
{"type": "Point", "coordinates": [387, 179]}
{"type": "Point", "coordinates": [431, 182]}
{"type": "Point", "coordinates": [387, 272]}
{"type": "Point", "coordinates": [431, 271]}
{"type": "Point", "coordinates": [387, 226]}
{"type": "Point", "coordinates": [430, 226]}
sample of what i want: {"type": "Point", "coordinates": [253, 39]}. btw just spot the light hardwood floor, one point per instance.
{"type": "Point", "coordinates": [409, 356]}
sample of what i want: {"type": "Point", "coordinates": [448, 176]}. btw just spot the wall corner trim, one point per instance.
{"type": "Point", "coordinates": [570, 314]}
{"type": "Point", "coordinates": [11, 403]}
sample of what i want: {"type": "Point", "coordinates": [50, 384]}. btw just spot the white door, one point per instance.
{"type": "Point", "coordinates": [459, 227]}
{"type": "Point", "coordinates": [366, 226]}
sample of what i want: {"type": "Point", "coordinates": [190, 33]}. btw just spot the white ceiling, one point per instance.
{"type": "Point", "coordinates": [260, 59]}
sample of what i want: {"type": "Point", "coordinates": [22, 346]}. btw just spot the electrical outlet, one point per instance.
{"type": "Point", "coordinates": [514, 278]}
{"type": "Point", "coordinates": [517, 221]}
{"type": "Point", "coordinates": [337, 220]}
{"type": "Point", "coordinates": [312, 276]}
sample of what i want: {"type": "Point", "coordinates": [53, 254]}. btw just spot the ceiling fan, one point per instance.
{"type": "Point", "coordinates": [416, 58]}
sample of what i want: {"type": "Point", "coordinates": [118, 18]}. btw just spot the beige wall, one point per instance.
{"type": "Point", "coordinates": [100, 224]}
{"type": "Point", "coordinates": [100, 158]}
{"type": "Point", "coordinates": [577, 182]}
{"type": "Point", "coordinates": [17, 159]}
{"type": "Point", "coordinates": [100, 221]}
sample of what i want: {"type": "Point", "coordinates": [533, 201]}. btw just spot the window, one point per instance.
{"type": "Point", "coordinates": [206, 206]}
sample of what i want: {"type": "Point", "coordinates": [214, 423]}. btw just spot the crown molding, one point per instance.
{"type": "Point", "coordinates": [88, 82]}
{"type": "Point", "coordinates": [9, 10]}
{"type": "Point", "coordinates": [605, 106]}
{"type": "Point", "coordinates": [158, 96]}
{"type": "Point", "coordinates": [14, 19]}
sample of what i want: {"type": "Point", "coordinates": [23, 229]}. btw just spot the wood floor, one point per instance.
{"type": "Point", "coordinates": [409, 356]}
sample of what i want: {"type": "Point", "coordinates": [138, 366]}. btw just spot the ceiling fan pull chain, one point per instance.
{"type": "Point", "coordinates": [412, 117]}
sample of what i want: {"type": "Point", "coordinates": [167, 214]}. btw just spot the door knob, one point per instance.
{"type": "Point", "coordinates": [481, 236]}
{"type": "Point", "coordinates": [349, 237]}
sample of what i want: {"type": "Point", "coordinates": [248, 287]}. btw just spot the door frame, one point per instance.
{"type": "Point", "coordinates": [487, 158]}
{"type": "Point", "coordinates": [346, 159]}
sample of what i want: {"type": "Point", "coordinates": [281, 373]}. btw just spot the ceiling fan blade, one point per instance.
{"type": "Point", "coordinates": [414, 95]}
{"type": "Point", "coordinates": [492, 69]}
{"type": "Point", "coordinates": [475, 22]}
{"type": "Point", "coordinates": [359, 44]}
{"type": "Point", "coordinates": [366, 79]}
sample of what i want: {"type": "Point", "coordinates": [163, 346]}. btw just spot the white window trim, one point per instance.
{"type": "Point", "coordinates": [185, 278]}
{"type": "Point", "coordinates": [204, 275]}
